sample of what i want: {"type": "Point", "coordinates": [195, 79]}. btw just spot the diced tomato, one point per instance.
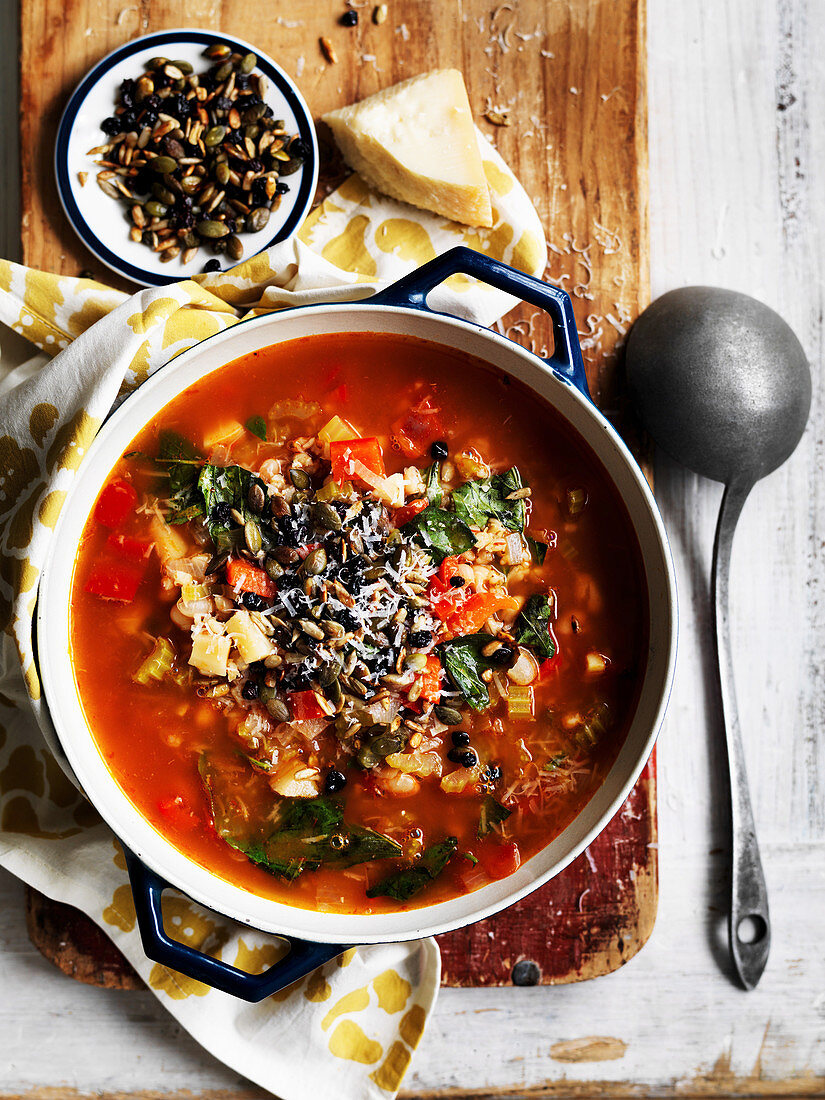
{"type": "Point", "coordinates": [246, 577]}
{"type": "Point", "coordinates": [449, 569]}
{"type": "Point", "coordinates": [477, 610]}
{"type": "Point", "coordinates": [500, 860]}
{"type": "Point", "coordinates": [305, 706]}
{"type": "Point", "coordinates": [431, 679]}
{"type": "Point", "coordinates": [129, 548]}
{"type": "Point", "coordinates": [304, 551]}
{"type": "Point", "coordinates": [343, 452]}
{"type": "Point", "coordinates": [115, 503]}
{"type": "Point", "coordinates": [551, 665]}
{"type": "Point", "coordinates": [415, 431]}
{"type": "Point", "coordinates": [409, 511]}
{"type": "Point", "coordinates": [445, 600]}
{"type": "Point", "coordinates": [115, 580]}
{"type": "Point", "coordinates": [179, 814]}
{"type": "Point", "coordinates": [339, 394]}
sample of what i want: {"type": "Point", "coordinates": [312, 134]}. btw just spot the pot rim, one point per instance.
{"type": "Point", "coordinates": [149, 844]}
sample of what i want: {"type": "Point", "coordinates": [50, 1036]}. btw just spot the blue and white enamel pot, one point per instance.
{"type": "Point", "coordinates": [154, 863]}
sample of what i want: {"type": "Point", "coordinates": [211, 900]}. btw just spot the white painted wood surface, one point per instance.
{"type": "Point", "coordinates": [737, 138]}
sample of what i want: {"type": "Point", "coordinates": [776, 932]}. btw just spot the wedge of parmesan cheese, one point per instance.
{"type": "Point", "coordinates": [416, 142]}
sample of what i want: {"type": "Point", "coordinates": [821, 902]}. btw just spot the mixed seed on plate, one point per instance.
{"type": "Point", "coordinates": [199, 158]}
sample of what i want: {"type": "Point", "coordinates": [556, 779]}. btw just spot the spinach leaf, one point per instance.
{"type": "Point", "coordinates": [492, 813]}
{"type": "Point", "coordinates": [533, 627]}
{"type": "Point", "coordinates": [403, 884]}
{"type": "Point", "coordinates": [441, 532]}
{"type": "Point", "coordinates": [477, 501]}
{"type": "Point", "coordinates": [257, 425]}
{"type": "Point", "coordinates": [464, 662]}
{"type": "Point", "coordinates": [228, 485]}
{"type": "Point", "coordinates": [183, 463]}
{"type": "Point", "coordinates": [432, 484]}
{"type": "Point", "coordinates": [311, 831]}
{"type": "Point", "coordinates": [538, 550]}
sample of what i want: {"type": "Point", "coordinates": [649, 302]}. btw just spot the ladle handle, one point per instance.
{"type": "Point", "coordinates": [749, 895]}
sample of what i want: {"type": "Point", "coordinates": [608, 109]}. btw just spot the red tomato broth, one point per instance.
{"type": "Point", "coordinates": [151, 737]}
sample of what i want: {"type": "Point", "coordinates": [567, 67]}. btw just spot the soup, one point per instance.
{"type": "Point", "coordinates": [358, 623]}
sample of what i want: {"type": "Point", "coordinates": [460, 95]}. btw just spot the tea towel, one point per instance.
{"type": "Point", "coordinates": [352, 1025]}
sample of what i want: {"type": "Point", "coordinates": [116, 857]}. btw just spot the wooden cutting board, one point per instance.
{"type": "Point", "coordinates": [559, 87]}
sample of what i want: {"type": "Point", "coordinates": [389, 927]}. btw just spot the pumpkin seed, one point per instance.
{"type": "Point", "coordinates": [163, 194]}
{"type": "Point", "coordinates": [299, 478]}
{"type": "Point", "coordinates": [326, 517]}
{"type": "Point", "coordinates": [291, 165]}
{"type": "Point", "coordinates": [315, 563]}
{"type": "Point", "coordinates": [223, 71]}
{"type": "Point", "coordinates": [256, 497]}
{"type": "Point", "coordinates": [234, 247]}
{"type": "Point", "coordinates": [217, 51]}
{"type": "Point", "coordinates": [248, 62]}
{"type": "Point", "coordinates": [212, 229]}
{"type": "Point", "coordinates": [164, 165]}
{"type": "Point", "coordinates": [286, 555]}
{"type": "Point", "coordinates": [222, 174]}
{"type": "Point", "coordinates": [367, 758]}
{"type": "Point", "coordinates": [184, 67]}
{"type": "Point", "coordinates": [157, 63]}
{"type": "Point", "coordinates": [257, 220]}
{"type": "Point", "coordinates": [274, 569]}
{"type": "Point", "coordinates": [278, 709]}
{"type": "Point", "coordinates": [448, 715]}
{"type": "Point", "coordinates": [252, 536]}
{"type": "Point", "coordinates": [214, 135]}
{"type": "Point", "coordinates": [386, 744]}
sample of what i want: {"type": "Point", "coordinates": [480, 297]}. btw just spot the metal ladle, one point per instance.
{"type": "Point", "coordinates": [722, 384]}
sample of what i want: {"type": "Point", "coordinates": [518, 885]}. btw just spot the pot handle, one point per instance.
{"type": "Point", "coordinates": [147, 889]}
{"type": "Point", "coordinates": [411, 292]}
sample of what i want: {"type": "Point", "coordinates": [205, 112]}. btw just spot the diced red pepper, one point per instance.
{"type": "Point", "coordinates": [500, 860]}
{"type": "Point", "coordinates": [245, 577]}
{"type": "Point", "coordinates": [409, 511]}
{"type": "Point", "coordinates": [339, 394]}
{"type": "Point", "coordinates": [303, 552]}
{"type": "Point", "coordinates": [415, 431]}
{"type": "Point", "coordinates": [115, 580]}
{"type": "Point", "coordinates": [550, 666]}
{"type": "Point", "coordinates": [343, 452]}
{"type": "Point", "coordinates": [445, 600]}
{"type": "Point", "coordinates": [477, 610]}
{"type": "Point", "coordinates": [115, 503]}
{"type": "Point", "coordinates": [129, 548]}
{"type": "Point", "coordinates": [431, 679]}
{"type": "Point", "coordinates": [305, 705]}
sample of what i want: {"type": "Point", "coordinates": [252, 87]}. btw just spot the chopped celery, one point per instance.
{"type": "Point", "coordinates": [331, 490]}
{"type": "Point", "coordinates": [336, 429]}
{"type": "Point", "coordinates": [157, 664]}
{"type": "Point", "coordinates": [192, 592]}
{"type": "Point", "coordinates": [520, 701]}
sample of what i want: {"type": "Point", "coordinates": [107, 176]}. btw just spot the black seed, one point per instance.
{"type": "Point", "coordinates": [439, 449]}
{"type": "Point", "coordinates": [299, 148]}
{"type": "Point", "coordinates": [492, 774]}
{"type": "Point", "coordinates": [419, 639]}
{"type": "Point", "coordinates": [335, 781]}
{"type": "Point", "coordinates": [221, 513]}
{"type": "Point", "coordinates": [251, 689]}
{"type": "Point", "coordinates": [110, 126]}
{"type": "Point", "coordinates": [460, 738]}
{"type": "Point", "coordinates": [457, 582]}
{"type": "Point", "coordinates": [347, 620]}
{"type": "Point", "coordinates": [281, 188]}
{"type": "Point", "coordinates": [503, 655]}
{"type": "Point", "coordinates": [212, 265]}
{"type": "Point", "coordinates": [466, 757]}
{"type": "Point", "coordinates": [349, 19]}
{"type": "Point", "coordinates": [252, 601]}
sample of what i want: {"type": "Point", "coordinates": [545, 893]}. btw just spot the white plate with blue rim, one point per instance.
{"type": "Point", "coordinates": [104, 223]}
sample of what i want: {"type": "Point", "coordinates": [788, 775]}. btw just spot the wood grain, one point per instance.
{"type": "Point", "coordinates": [569, 78]}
